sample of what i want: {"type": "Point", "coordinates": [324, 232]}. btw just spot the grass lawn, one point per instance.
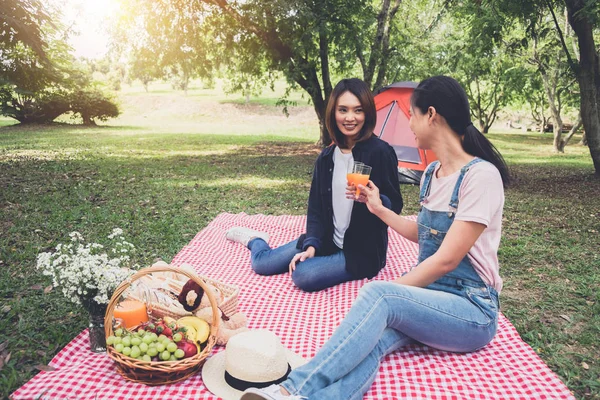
{"type": "Point", "coordinates": [170, 164]}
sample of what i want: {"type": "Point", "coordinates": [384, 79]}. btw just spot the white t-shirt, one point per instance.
{"type": "Point", "coordinates": [342, 207]}
{"type": "Point", "coordinates": [481, 200]}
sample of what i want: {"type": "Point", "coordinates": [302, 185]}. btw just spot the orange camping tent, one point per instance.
{"type": "Point", "coordinates": [393, 103]}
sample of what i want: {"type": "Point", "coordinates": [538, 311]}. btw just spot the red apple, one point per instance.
{"type": "Point", "coordinates": [189, 348]}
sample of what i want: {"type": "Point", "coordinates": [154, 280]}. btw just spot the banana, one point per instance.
{"type": "Point", "coordinates": [190, 333]}
{"type": "Point", "coordinates": [201, 326]}
{"type": "Point", "coordinates": [203, 333]}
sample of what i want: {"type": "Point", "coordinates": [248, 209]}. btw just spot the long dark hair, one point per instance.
{"type": "Point", "coordinates": [449, 99]}
{"type": "Point", "coordinates": [364, 95]}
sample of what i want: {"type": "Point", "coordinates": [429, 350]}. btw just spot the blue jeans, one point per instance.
{"type": "Point", "coordinates": [311, 275]}
{"type": "Point", "coordinates": [385, 317]}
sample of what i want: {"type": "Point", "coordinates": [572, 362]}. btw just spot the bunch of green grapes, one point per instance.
{"type": "Point", "coordinates": [146, 346]}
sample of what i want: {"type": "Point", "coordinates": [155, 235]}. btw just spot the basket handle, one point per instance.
{"type": "Point", "coordinates": [108, 328]}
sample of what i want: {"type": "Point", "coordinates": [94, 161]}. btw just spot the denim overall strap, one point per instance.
{"type": "Point", "coordinates": [433, 226]}
{"type": "Point", "coordinates": [454, 199]}
{"type": "Point", "coordinates": [427, 182]}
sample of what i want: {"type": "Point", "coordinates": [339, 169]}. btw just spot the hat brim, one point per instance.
{"type": "Point", "coordinates": [213, 374]}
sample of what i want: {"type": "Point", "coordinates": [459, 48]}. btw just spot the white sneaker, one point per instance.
{"type": "Point", "coordinates": [244, 235]}
{"type": "Point", "coordinates": [272, 392]}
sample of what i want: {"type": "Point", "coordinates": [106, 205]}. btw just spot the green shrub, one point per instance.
{"type": "Point", "coordinates": [27, 107]}
{"type": "Point", "coordinates": [45, 106]}
{"type": "Point", "coordinates": [92, 104]}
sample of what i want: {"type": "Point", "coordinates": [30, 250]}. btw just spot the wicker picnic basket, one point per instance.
{"type": "Point", "coordinates": [159, 372]}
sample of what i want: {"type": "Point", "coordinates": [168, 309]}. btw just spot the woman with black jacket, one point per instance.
{"type": "Point", "coordinates": [343, 240]}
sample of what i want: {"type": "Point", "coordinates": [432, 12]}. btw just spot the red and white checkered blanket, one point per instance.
{"type": "Point", "coordinates": [507, 368]}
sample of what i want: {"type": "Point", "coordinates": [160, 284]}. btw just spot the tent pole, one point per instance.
{"type": "Point", "coordinates": [387, 117]}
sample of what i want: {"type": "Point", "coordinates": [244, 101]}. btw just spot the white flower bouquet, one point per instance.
{"type": "Point", "coordinates": [88, 274]}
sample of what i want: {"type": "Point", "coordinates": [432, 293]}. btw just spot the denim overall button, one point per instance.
{"type": "Point", "coordinates": [433, 231]}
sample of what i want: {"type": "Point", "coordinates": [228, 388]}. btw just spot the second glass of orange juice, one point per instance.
{"type": "Point", "coordinates": [358, 174]}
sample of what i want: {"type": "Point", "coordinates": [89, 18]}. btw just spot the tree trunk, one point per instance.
{"type": "Point", "coordinates": [588, 75]}
{"type": "Point", "coordinates": [385, 47]}
{"type": "Point", "coordinates": [544, 123]}
{"type": "Point", "coordinates": [325, 139]}
{"type": "Point", "coordinates": [87, 120]}
{"type": "Point", "coordinates": [324, 56]}
{"type": "Point", "coordinates": [320, 107]}
{"type": "Point", "coordinates": [573, 130]}
{"type": "Point", "coordinates": [550, 88]}
{"type": "Point", "coordinates": [321, 102]}
{"type": "Point", "coordinates": [590, 116]}
{"type": "Point", "coordinates": [376, 50]}
{"type": "Point", "coordinates": [558, 143]}
{"type": "Point", "coordinates": [476, 107]}
{"type": "Point", "coordinates": [309, 81]}
{"type": "Point", "coordinates": [490, 118]}
{"type": "Point", "coordinates": [380, 48]}
{"type": "Point", "coordinates": [537, 112]}
{"type": "Point", "coordinates": [550, 83]}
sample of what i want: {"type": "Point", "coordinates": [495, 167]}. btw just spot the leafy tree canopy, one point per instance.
{"type": "Point", "coordinates": [20, 24]}
{"type": "Point", "coordinates": [310, 43]}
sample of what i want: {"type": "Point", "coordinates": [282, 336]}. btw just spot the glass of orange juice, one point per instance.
{"type": "Point", "coordinates": [131, 313]}
{"type": "Point", "coordinates": [358, 173]}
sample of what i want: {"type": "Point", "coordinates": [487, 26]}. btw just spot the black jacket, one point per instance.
{"type": "Point", "coordinates": [366, 239]}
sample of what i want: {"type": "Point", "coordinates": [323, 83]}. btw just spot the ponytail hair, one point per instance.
{"type": "Point", "coordinates": [450, 101]}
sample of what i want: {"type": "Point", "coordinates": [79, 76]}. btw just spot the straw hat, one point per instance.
{"type": "Point", "coordinates": [255, 358]}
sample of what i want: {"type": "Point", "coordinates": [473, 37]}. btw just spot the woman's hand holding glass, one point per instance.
{"type": "Point", "coordinates": [351, 190]}
{"type": "Point", "coordinates": [357, 173]}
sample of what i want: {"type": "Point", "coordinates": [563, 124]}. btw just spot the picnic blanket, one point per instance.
{"type": "Point", "coordinates": [507, 368]}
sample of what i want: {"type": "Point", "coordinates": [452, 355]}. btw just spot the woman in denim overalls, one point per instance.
{"type": "Point", "coordinates": [443, 302]}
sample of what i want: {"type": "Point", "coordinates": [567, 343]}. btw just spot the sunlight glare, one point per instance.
{"type": "Point", "coordinates": [89, 19]}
